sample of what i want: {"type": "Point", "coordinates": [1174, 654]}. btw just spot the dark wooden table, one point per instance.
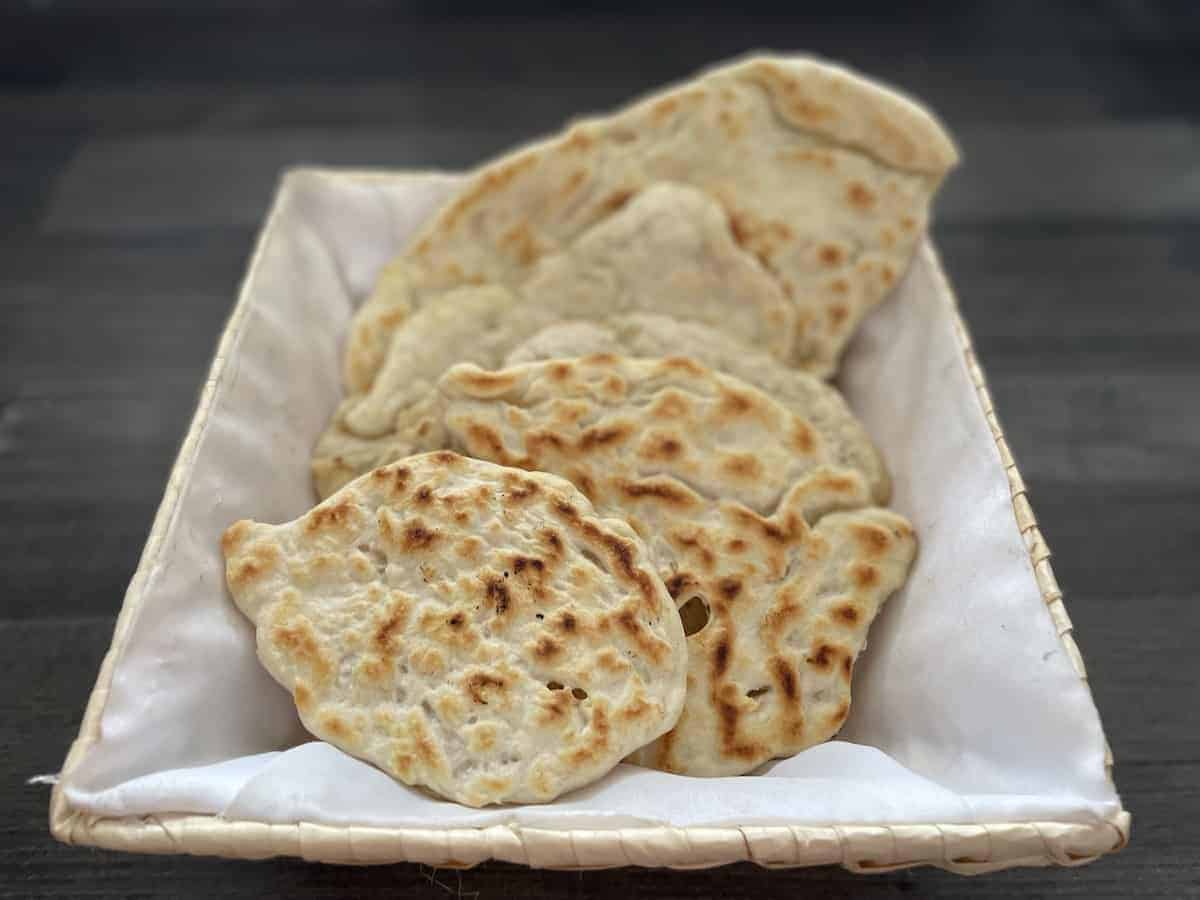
{"type": "Point", "coordinates": [138, 151]}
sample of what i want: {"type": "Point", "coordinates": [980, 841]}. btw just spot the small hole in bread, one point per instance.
{"type": "Point", "coordinates": [694, 615]}
{"type": "Point", "coordinates": [579, 693]}
{"type": "Point", "coordinates": [554, 686]}
{"type": "Point", "coordinates": [758, 691]}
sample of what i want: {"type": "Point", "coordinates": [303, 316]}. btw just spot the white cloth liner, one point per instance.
{"type": "Point", "coordinates": [966, 708]}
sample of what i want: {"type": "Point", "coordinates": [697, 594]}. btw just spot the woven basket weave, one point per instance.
{"type": "Point", "coordinates": [966, 849]}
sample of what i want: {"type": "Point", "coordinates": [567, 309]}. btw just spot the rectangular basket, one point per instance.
{"type": "Point", "coordinates": [966, 849]}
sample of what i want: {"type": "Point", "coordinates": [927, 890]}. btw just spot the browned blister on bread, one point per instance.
{"type": "Point", "coordinates": [470, 628]}
{"type": "Point", "coordinates": [771, 548]}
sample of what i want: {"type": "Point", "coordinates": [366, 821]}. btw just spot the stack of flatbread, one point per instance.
{"type": "Point", "coordinates": [589, 497]}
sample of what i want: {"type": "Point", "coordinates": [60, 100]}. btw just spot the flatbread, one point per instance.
{"type": "Point", "coordinates": [649, 335]}
{"type": "Point", "coordinates": [466, 627]}
{"type": "Point", "coordinates": [669, 251]}
{"type": "Point", "coordinates": [825, 177]}
{"type": "Point", "coordinates": [742, 505]}
{"type": "Point", "coordinates": [414, 423]}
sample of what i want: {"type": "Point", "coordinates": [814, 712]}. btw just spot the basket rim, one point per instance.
{"type": "Point", "coordinates": [964, 849]}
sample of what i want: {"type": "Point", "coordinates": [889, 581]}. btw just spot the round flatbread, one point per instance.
{"type": "Point", "coordinates": [824, 177]}
{"type": "Point", "coordinates": [342, 455]}
{"type": "Point", "coordinates": [772, 549]}
{"type": "Point", "coordinates": [466, 627]}
{"type": "Point", "coordinates": [652, 335]}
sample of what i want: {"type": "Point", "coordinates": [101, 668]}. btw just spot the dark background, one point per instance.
{"type": "Point", "coordinates": [138, 150]}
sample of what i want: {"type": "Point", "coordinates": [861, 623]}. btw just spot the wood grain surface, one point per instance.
{"type": "Point", "coordinates": [139, 148]}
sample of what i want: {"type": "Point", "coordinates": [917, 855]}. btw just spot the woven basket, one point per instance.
{"type": "Point", "coordinates": [965, 849]}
